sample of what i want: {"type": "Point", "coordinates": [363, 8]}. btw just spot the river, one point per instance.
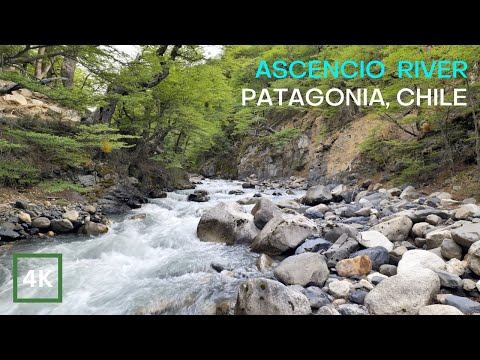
{"type": "Point", "coordinates": [157, 265]}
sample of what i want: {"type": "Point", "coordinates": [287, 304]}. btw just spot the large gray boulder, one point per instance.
{"type": "Point", "coordinates": [61, 225]}
{"type": "Point", "coordinates": [264, 211]}
{"type": "Point", "coordinates": [451, 250]}
{"type": "Point", "coordinates": [284, 232]}
{"type": "Point", "coordinates": [269, 297]}
{"type": "Point", "coordinates": [396, 229]}
{"type": "Point", "coordinates": [474, 258]}
{"type": "Point", "coordinates": [318, 194]}
{"type": "Point", "coordinates": [466, 234]}
{"type": "Point", "coordinates": [415, 260]}
{"type": "Point", "coordinates": [304, 269]}
{"type": "Point", "coordinates": [435, 238]}
{"type": "Point", "coordinates": [421, 229]}
{"type": "Point", "coordinates": [41, 223]}
{"type": "Point", "coordinates": [403, 294]}
{"type": "Point", "coordinates": [227, 223]}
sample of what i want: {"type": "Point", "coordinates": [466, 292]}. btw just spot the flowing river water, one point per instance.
{"type": "Point", "coordinates": [157, 265]}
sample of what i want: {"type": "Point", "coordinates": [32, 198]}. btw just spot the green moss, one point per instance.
{"type": "Point", "coordinates": [60, 185]}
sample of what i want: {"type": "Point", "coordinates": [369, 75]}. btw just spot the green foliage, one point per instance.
{"type": "Point", "coordinates": [4, 144]}
{"type": "Point", "coordinates": [282, 138]}
{"type": "Point", "coordinates": [55, 186]}
{"type": "Point", "coordinates": [15, 172]}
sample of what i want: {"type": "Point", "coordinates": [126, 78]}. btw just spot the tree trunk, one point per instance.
{"type": "Point", "coordinates": [476, 124]}
{"type": "Point", "coordinates": [39, 64]}
{"type": "Point", "coordinates": [68, 72]}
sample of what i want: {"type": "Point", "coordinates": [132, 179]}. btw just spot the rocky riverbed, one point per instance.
{"type": "Point", "coordinates": [354, 250]}
{"type": "Point", "coordinates": [265, 248]}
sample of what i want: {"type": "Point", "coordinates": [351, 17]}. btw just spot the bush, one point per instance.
{"type": "Point", "coordinates": [17, 173]}
{"type": "Point", "coordinates": [55, 186]}
{"type": "Point", "coordinates": [281, 138]}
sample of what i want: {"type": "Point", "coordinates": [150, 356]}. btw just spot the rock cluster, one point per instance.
{"type": "Point", "coordinates": [356, 251]}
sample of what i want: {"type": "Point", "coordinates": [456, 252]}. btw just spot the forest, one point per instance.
{"type": "Point", "coordinates": [173, 106]}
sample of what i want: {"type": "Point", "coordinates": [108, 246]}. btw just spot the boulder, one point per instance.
{"type": "Point", "coordinates": [388, 270]}
{"type": "Point", "coordinates": [16, 98]}
{"type": "Point", "coordinates": [352, 309]}
{"type": "Point", "coordinates": [340, 250]}
{"type": "Point", "coordinates": [340, 289]}
{"type": "Point", "coordinates": [24, 217]}
{"type": "Point", "coordinates": [396, 229]}
{"type": "Point", "coordinates": [433, 220]}
{"type": "Point", "coordinates": [338, 191]}
{"type": "Point", "coordinates": [313, 245]}
{"type": "Point", "coordinates": [304, 269]}
{"type": "Point", "coordinates": [316, 297]}
{"type": "Point", "coordinates": [403, 294]}
{"type": "Point", "coordinates": [469, 285]}
{"type": "Point", "coordinates": [248, 185]}
{"type": "Point", "coordinates": [474, 258]}
{"type": "Point", "coordinates": [91, 209]}
{"type": "Point", "coordinates": [358, 296]}
{"type": "Point", "coordinates": [316, 212]}
{"type": "Point", "coordinates": [371, 239]}
{"type": "Point", "coordinates": [409, 193]}
{"type": "Point", "coordinates": [435, 238]}
{"type": "Point", "coordinates": [467, 211]}
{"type": "Point", "coordinates": [318, 194]}
{"type": "Point", "coordinates": [394, 192]}
{"type": "Point", "coordinates": [71, 215]}
{"type": "Point", "coordinates": [227, 223]}
{"type": "Point", "coordinates": [93, 228]}
{"type": "Point", "coordinates": [422, 215]}
{"type": "Point", "coordinates": [327, 310]}
{"type": "Point", "coordinates": [466, 234]}
{"type": "Point", "coordinates": [61, 225]}
{"type": "Point", "coordinates": [378, 255]}
{"type": "Point", "coordinates": [198, 197]}
{"type": "Point", "coordinates": [41, 223]}
{"type": "Point", "coordinates": [334, 234]}
{"type": "Point", "coordinates": [451, 250]}
{"type": "Point", "coordinates": [269, 297]}
{"type": "Point", "coordinates": [264, 211]}
{"type": "Point", "coordinates": [414, 260]}
{"type": "Point", "coordinates": [288, 204]}
{"type": "Point", "coordinates": [420, 230]}
{"type": "Point", "coordinates": [356, 266]}
{"type": "Point", "coordinates": [9, 235]}
{"type": "Point", "coordinates": [236, 192]}
{"type": "Point", "coordinates": [284, 232]}
{"type": "Point", "coordinates": [448, 280]}
{"type": "Point", "coordinates": [465, 305]}
{"type": "Point", "coordinates": [439, 309]}
{"type": "Point", "coordinates": [248, 201]}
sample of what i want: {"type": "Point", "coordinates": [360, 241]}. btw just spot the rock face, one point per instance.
{"type": "Point", "coordinates": [396, 229]}
{"type": "Point", "coordinates": [61, 226]}
{"type": "Point", "coordinates": [439, 310]}
{"type": "Point", "coordinates": [269, 297]}
{"type": "Point", "coordinates": [92, 228]}
{"type": "Point", "coordinates": [356, 266]}
{"type": "Point", "coordinates": [466, 234]}
{"type": "Point", "coordinates": [304, 269]}
{"type": "Point", "coordinates": [415, 260]}
{"type": "Point", "coordinates": [371, 239]}
{"type": "Point", "coordinates": [403, 294]}
{"type": "Point", "coordinates": [474, 258]}
{"type": "Point", "coordinates": [264, 211]}
{"type": "Point", "coordinates": [284, 232]}
{"type": "Point", "coordinates": [378, 255]}
{"type": "Point", "coordinates": [318, 194]}
{"type": "Point", "coordinates": [41, 223]}
{"type": "Point", "coordinates": [227, 223]}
